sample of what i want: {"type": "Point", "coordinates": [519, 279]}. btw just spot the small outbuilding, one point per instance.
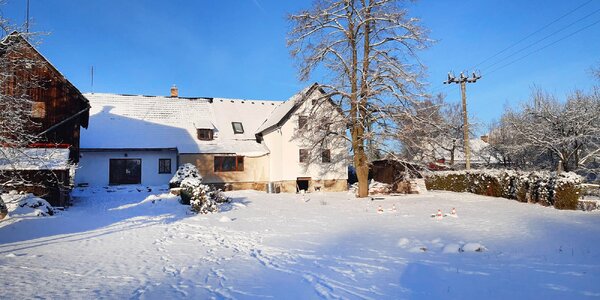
{"type": "Point", "coordinates": [396, 173]}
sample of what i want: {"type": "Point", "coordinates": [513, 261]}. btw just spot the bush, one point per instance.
{"type": "Point", "coordinates": [183, 172]}
{"type": "Point", "coordinates": [560, 190]}
{"type": "Point", "coordinates": [202, 198]}
{"type": "Point", "coordinates": [566, 192]}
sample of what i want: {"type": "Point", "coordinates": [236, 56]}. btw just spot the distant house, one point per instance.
{"type": "Point", "coordinates": [480, 155]}
{"type": "Point", "coordinates": [235, 143]}
{"type": "Point", "coordinates": [58, 110]}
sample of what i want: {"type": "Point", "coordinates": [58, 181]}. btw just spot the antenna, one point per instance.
{"type": "Point", "coordinates": [27, 18]}
{"type": "Point", "coordinates": [92, 73]}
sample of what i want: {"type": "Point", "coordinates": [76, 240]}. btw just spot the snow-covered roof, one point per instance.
{"type": "Point", "coordinates": [142, 122]}
{"type": "Point", "coordinates": [282, 110]}
{"type": "Point", "coordinates": [34, 159]}
{"type": "Point", "coordinates": [251, 113]}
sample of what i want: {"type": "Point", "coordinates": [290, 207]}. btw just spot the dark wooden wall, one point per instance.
{"type": "Point", "coordinates": [46, 84]}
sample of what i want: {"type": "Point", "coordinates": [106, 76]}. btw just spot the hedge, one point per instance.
{"type": "Point", "coordinates": [546, 188]}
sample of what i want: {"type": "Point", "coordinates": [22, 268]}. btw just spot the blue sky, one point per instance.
{"type": "Point", "coordinates": [236, 48]}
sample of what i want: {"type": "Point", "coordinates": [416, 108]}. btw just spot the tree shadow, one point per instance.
{"type": "Point", "coordinates": [124, 208]}
{"type": "Point", "coordinates": [235, 202]}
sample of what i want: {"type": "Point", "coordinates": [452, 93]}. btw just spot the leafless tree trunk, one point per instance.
{"type": "Point", "coordinates": [368, 47]}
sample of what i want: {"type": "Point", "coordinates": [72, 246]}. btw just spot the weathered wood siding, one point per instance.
{"type": "Point", "coordinates": [43, 83]}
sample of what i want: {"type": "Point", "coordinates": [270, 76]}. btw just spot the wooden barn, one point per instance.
{"type": "Point", "coordinates": [57, 110]}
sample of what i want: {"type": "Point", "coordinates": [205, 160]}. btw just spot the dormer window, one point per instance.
{"type": "Point", "coordinates": [237, 127]}
{"type": "Point", "coordinates": [205, 134]}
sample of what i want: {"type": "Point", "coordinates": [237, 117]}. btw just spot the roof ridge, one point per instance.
{"type": "Point", "coordinates": [189, 98]}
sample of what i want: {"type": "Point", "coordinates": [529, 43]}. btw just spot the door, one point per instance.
{"type": "Point", "coordinates": [302, 184]}
{"type": "Point", "coordinates": [125, 171]}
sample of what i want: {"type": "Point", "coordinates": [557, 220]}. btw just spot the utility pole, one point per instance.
{"type": "Point", "coordinates": [463, 80]}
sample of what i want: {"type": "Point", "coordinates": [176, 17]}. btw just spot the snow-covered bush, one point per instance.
{"type": "Point", "coordinates": [185, 171]}
{"type": "Point", "coordinates": [202, 198]}
{"type": "Point", "coordinates": [546, 188]}
{"type": "Point", "coordinates": [26, 205]}
{"type": "Point", "coordinates": [567, 191]}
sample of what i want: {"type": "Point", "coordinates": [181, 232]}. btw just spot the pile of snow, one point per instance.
{"type": "Point", "coordinates": [437, 245]}
{"type": "Point", "coordinates": [419, 186]}
{"type": "Point", "coordinates": [26, 205]}
{"type": "Point", "coordinates": [473, 247]}
{"type": "Point", "coordinates": [375, 188]}
{"type": "Point", "coordinates": [225, 219]}
{"type": "Point", "coordinates": [185, 171]}
{"type": "Point", "coordinates": [588, 205]}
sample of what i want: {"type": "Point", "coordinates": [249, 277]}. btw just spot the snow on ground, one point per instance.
{"type": "Point", "coordinates": [138, 242]}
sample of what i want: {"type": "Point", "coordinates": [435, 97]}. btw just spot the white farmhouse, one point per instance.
{"type": "Point", "coordinates": [238, 144]}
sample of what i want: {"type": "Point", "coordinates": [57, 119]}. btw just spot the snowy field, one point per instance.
{"type": "Point", "coordinates": [135, 243]}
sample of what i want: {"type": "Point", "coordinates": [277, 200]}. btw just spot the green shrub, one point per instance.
{"type": "Point", "coordinates": [549, 189]}
{"type": "Point", "coordinates": [567, 191]}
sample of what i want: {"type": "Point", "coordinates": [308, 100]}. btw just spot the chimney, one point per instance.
{"type": "Point", "coordinates": [174, 91]}
{"type": "Point", "coordinates": [485, 138]}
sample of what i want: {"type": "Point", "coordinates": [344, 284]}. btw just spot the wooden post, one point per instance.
{"type": "Point", "coordinates": [463, 91]}
{"type": "Point", "coordinates": [463, 80]}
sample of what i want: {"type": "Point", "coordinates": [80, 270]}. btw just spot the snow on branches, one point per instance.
{"type": "Point", "coordinates": [370, 51]}
{"type": "Point", "coordinates": [201, 198]}
{"type": "Point", "coordinates": [548, 133]}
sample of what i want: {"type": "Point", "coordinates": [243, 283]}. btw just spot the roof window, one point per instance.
{"type": "Point", "coordinates": [237, 127]}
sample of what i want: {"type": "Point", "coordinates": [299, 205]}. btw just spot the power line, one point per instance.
{"type": "Point", "coordinates": [542, 39]}
{"type": "Point", "coordinates": [544, 47]}
{"type": "Point", "coordinates": [531, 34]}
{"type": "Point", "coordinates": [443, 87]}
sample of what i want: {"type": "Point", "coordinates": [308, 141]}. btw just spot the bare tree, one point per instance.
{"type": "Point", "coordinates": [568, 134]}
{"type": "Point", "coordinates": [451, 135]}
{"type": "Point", "coordinates": [434, 131]}
{"type": "Point", "coordinates": [596, 72]}
{"type": "Point", "coordinates": [368, 47]}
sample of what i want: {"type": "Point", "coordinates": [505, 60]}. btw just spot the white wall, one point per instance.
{"type": "Point", "coordinates": [93, 166]}
{"type": "Point", "coordinates": [284, 144]}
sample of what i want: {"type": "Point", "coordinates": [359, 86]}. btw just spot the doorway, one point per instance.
{"type": "Point", "coordinates": [125, 171]}
{"type": "Point", "coordinates": [302, 184]}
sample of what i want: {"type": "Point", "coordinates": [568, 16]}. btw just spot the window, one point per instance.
{"type": "Point", "coordinates": [237, 127]}
{"type": "Point", "coordinates": [326, 155]}
{"type": "Point", "coordinates": [315, 101]}
{"type": "Point", "coordinates": [302, 121]}
{"type": "Point", "coordinates": [229, 163]}
{"type": "Point", "coordinates": [38, 110]}
{"type": "Point", "coordinates": [303, 155]}
{"type": "Point", "coordinates": [205, 134]}
{"type": "Point", "coordinates": [164, 166]}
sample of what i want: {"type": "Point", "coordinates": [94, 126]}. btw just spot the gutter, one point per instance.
{"type": "Point", "coordinates": [64, 121]}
